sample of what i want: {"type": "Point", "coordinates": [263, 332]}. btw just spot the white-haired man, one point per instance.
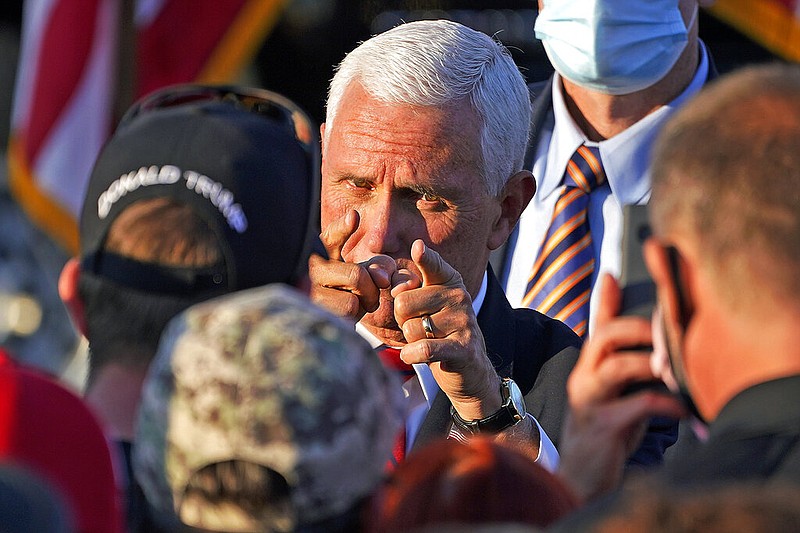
{"type": "Point", "coordinates": [422, 178]}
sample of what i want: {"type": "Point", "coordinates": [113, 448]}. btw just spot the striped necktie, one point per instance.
{"type": "Point", "coordinates": [561, 278]}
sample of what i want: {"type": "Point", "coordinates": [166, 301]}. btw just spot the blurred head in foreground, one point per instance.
{"type": "Point", "coordinates": [481, 482]}
{"type": "Point", "coordinates": [264, 412]}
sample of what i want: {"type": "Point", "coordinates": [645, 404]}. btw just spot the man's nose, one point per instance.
{"type": "Point", "coordinates": [385, 226]}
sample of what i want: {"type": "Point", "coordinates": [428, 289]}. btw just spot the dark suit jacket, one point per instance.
{"type": "Point", "coordinates": [662, 432]}
{"type": "Point", "coordinates": [756, 437]}
{"type": "Point", "coordinates": [536, 351]}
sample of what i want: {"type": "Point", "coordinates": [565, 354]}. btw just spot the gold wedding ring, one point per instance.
{"type": "Point", "coordinates": [427, 325]}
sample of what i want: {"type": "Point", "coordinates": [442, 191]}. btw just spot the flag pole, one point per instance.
{"type": "Point", "coordinates": [125, 79]}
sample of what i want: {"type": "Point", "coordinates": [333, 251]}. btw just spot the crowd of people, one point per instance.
{"type": "Point", "coordinates": [409, 319]}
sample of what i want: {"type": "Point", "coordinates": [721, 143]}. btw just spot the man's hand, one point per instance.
{"type": "Point", "coordinates": [457, 354]}
{"type": "Point", "coordinates": [348, 289]}
{"type": "Point", "coordinates": [604, 426]}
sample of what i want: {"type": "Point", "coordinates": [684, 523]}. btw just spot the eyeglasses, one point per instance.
{"type": "Point", "coordinates": [272, 106]}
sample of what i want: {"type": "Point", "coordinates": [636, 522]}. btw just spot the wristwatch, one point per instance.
{"type": "Point", "coordinates": [510, 413]}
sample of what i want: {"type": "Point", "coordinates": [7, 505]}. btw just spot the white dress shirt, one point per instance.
{"type": "Point", "coordinates": [420, 393]}
{"type": "Point", "coordinates": [625, 159]}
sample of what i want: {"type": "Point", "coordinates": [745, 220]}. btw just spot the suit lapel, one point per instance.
{"type": "Point", "coordinates": [498, 326]}
{"type": "Point", "coordinates": [541, 94]}
{"type": "Point", "coordinates": [436, 423]}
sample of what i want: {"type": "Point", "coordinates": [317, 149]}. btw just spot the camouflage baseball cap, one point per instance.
{"type": "Point", "coordinates": [264, 376]}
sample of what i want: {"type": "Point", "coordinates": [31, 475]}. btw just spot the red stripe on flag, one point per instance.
{"type": "Point", "coordinates": [176, 45]}
{"type": "Point", "coordinates": [65, 48]}
{"type": "Point", "coordinates": [185, 41]}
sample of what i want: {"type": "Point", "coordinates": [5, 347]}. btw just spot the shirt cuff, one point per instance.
{"type": "Point", "coordinates": [548, 456]}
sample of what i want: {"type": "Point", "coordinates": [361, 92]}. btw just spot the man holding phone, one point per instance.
{"type": "Point", "coordinates": [724, 258]}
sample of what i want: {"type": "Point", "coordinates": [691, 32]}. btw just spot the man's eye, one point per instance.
{"type": "Point", "coordinates": [360, 183]}
{"type": "Point", "coordinates": [431, 202]}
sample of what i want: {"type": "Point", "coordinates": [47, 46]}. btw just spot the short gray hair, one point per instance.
{"type": "Point", "coordinates": [437, 63]}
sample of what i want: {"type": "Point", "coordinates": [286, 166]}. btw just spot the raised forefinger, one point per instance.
{"type": "Point", "coordinates": [434, 269]}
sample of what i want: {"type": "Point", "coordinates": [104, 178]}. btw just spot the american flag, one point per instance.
{"type": "Point", "coordinates": [78, 57]}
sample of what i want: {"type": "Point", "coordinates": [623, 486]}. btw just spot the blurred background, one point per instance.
{"type": "Point", "coordinates": [105, 53]}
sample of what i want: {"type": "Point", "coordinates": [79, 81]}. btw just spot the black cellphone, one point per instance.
{"type": "Point", "coordinates": [638, 288]}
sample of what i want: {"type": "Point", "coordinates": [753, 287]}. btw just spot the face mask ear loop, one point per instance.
{"type": "Point", "coordinates": [693, 18]}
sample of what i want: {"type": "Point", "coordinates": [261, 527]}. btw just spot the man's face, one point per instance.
{"type": "Point", "coordinates": [411, 173]}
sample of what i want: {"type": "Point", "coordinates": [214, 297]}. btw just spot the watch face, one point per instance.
{"type": "Point", "coordinates": [517, 400]}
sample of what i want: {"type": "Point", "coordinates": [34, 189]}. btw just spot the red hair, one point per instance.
{"type": "Point", "coordinates": [479, 482]}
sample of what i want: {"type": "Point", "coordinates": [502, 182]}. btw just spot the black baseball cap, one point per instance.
{"type": "Point", "coordinates": [245, 160]}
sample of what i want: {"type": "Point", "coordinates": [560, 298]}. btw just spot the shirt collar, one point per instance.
{"type": "Point", "coordinates": [625, 156]}
{"type": "Point", "coordinates": [477, 302]}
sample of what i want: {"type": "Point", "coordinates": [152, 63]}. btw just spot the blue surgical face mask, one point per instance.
{"type": "Point", "coordinates": [613, 46]}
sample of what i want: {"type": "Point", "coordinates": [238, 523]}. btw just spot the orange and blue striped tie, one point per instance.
{"type": "Point", "coordinates": [561, 278]}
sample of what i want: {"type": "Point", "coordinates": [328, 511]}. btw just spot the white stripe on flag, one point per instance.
{"type": "Point", "coordinates": [147, 11]}
{"type": "Point", "coordinates": [72, 144]}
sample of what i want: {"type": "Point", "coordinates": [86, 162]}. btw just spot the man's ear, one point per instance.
{"type": "Point", "coordinates": [671, 276]}
{"type": "Point", "coordinates": [514, 198]}
{"type": "Point", "coordinates": [68, 291]}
